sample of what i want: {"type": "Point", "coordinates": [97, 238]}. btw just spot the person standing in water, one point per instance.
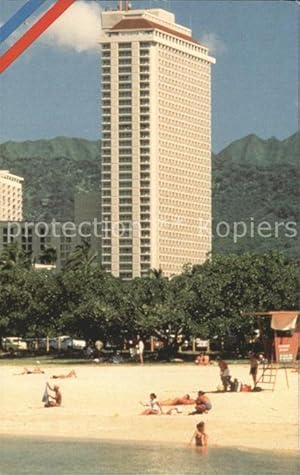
{"type": "Point", "coordinates": [199, 435]}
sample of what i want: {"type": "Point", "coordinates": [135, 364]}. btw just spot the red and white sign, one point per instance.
{"type": "Point", "coordinates": [286, 348]}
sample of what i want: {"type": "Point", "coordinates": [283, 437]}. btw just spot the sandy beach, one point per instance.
{"type": "Point", "coordinates": [103, 403]}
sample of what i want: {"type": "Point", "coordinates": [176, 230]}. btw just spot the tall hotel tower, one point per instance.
{"type": "Point", "coordinates": [156, 144]}
{"type": "Point", "coordinates": [11, 200]}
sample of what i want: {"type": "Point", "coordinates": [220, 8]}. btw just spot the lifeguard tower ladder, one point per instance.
{"type": "Point", "coordinates": [268, 376]}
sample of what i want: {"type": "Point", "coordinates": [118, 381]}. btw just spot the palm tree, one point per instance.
{"type": "Point", "coordinates": [156, 274]}
{"type": "Point", "coordinates": [81, 257]}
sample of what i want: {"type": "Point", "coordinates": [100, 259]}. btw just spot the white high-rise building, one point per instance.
{"type": "Point", "coordinates": [156, 144]}
{"type": "Point", "coordinates": [11, 202]}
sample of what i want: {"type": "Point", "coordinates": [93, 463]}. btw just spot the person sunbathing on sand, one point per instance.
{"type": "Point", "coordinates": [178, 401]}
{"type": "Point", "coordinates": [154, 407]}
{"type": "Point", "coordinates": [202, 359]}
{"type": "Point", "coordinates": [203, 404]}
{"type": "Point", "coordinates": [30, 371]}
{"type": "Point", "coordinates": [72, 374]}
{"type": "Point", "coordinates": [57, 398]}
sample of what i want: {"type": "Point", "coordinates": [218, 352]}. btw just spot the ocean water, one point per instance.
{"type": "Point", "coordinates": [32, 456]}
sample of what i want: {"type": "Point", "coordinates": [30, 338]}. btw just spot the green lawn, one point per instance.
{"type": "Point", "coordinates": [63, 361]}
{"type": "Point", "coordinates": [43, 361]}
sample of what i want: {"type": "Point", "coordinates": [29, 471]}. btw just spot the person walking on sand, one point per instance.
{"type": "Point", "coordinates": [224, 373]}
{"type": "Point", "coordinates": [154, 407]}
{"type": "Point", "coordinates": [199, 435]}
{"type": "Point", "coordinates": [140, 350]}
{"type": "Point", "coordinates": [57, 398]}
{"type": "Point", "coordinates": [98, 348]}
{"type": "Point", "coordinates": [253, 360]}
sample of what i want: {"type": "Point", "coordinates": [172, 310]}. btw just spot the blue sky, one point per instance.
{"type": "Point", "coordinates": [54, 89]}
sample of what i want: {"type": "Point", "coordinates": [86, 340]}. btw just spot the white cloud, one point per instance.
{"type": "Point", "coordinates": [215, 45]}
{"type": "Point", "coordinates": [78, 28]}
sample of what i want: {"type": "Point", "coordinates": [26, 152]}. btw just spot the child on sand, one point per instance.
{"type": "Point", "coordinates": [199, 435]}
{"type": "Point", "coordinates": [154, 407]}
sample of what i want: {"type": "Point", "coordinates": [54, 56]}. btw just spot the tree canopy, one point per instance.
{"type": "Point", "coordinates": [84, 301]}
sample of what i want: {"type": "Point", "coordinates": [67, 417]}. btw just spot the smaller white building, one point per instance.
{"type": "Point", "coordinates": [11, 199]}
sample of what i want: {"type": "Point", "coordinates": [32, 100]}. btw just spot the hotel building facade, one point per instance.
{"type": "Point", "coordinates": [156, 144]}
{"type": "Point", "coordinates": [11, 199]}
{"type": "Point", "coordinates": [34, 238]}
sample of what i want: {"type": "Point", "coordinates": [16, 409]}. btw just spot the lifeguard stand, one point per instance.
{"type": "Point", "coordinates": [281, 352]}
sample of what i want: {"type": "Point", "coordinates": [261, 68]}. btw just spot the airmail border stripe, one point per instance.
{"type": "Point", "coordinates": [33, 33]}
{"type": "Point", "coordinates": [18, 18]}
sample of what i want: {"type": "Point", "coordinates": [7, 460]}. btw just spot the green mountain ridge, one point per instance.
{"type": "Point", "coordinates": [53, 170]}
{"type": "Point", "coordinates": [73, 147]}
{"type": "Point", "coordinates": [254, 149]}
{"type": "Point", "coordinates": [254, 180]}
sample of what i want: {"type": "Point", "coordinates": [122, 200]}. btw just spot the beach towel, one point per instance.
{"type": "Point", "coordinates": [45, 397]}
